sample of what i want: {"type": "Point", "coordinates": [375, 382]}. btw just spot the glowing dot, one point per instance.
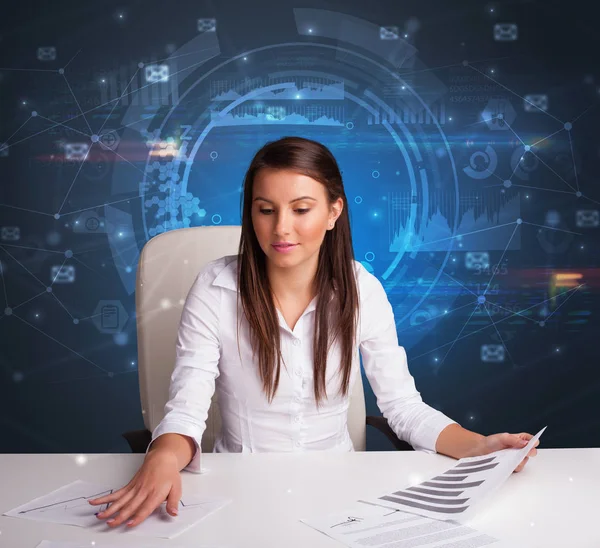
{"type": "Point", "coordinates": [492, 71]}
{"type": "Point", "coordinates": [61, 71]}
{"type": "Point", "coordinates": [141, 65]}
{"type": "Point", "coordinates": [81, 460]}
{"type": "Point", "coordinates": [450, 118]}
{"type": "Point", "coordinates": [165, 303]}
{"type": "Point", "coordinates": [297, 96]}
{"type": "Point", "coordinates": [532, 524]}
{"type": "Point", "coordinates": [527, 148]}
{"type": "Point", "coordinates": [542, 323]}
{"type": "Point", "coordinates": [406, 36]}
{"type": "Point", "coordinates": [414, 479]}
{"type": "Point", "coordinates": [568, 126]}
{"type": "Point", "coordinates": [309, 30]}
{"type": "Point", "coordinates": [570, 479]}
{"type": "Point", "coordinates": [57, 217]}
{"type": "Point", "coordinates": [578, 194]}
{"type": "Point", "coordinates": [481, 299]}
{"type": "Point", "coordinates": [34, 113]}
{"type": "Point", "coordinates": [435, 359]}
{"type": "Point", "coordinates": [49, 289]}
{"type": "Point", "coordinates": [128, 269]}
{"type": "Point", "coordinates": [519, 221]}
{"type": "Point", "coordinates": [181, 302]}
{"type": "Point", "coordinates": [527, 196]}
{"type": "Point", "coordinates": [245, 58]}
{"type": "Point", "coordinates": [403, 87]}
{"type": "Point", "coordinates": [95, 138]}
{"type": "Point", "coordinates": [507, 183]}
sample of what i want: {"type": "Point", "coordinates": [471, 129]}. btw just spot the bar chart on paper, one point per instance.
{"type": "Point", "coordinates": [451, 495]}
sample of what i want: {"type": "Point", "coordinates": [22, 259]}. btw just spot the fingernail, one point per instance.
{"type": "Point", "coordinates": [130, 522]}
{"type": "Point", "coordinates": [110, 520]}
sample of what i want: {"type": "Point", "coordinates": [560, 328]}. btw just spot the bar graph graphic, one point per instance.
{"type": "Point", "coordinates": [449, 493]}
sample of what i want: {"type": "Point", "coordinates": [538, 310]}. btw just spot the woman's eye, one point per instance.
{"type": "Point", "coordinates": [266, 211]}
{"type": "Point", "coordinates": [302, 211]}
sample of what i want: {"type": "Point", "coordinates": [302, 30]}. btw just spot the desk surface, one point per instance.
{"type": "Point", "coordinates": [554, 502]}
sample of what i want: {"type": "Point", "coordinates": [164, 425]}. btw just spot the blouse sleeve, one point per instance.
{"type": "Point", "coordinates": [196, 366]}
{"type": "Point", "coordinates": [386, 368]}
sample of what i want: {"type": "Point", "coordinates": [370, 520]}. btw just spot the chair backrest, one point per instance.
{"type": "Point", "coordinates": [167, 268]}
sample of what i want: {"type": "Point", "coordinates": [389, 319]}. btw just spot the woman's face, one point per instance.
{"type": "Point", "coordinates": [291, 208]}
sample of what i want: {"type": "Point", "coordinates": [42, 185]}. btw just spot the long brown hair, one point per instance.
{"type": "Point", "coordinates": [337, 294]}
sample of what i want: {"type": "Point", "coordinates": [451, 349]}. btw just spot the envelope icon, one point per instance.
{"type": "Point", "coordinates": [62, 274]}
{"type": "Point", "coordinates": [76, 152]}
{"type": "Point", "coordinates": [388, 33]}
{"type": "Point", "coordinates": [10, 233]}
{"type": "Point", "coordinates": [477, 259]}
{"type": "Point", "coordinates": [47, 53]}
{"type": "Point", "coordinates": [207, 25]}
{"type": "Point", "coordinates": [492, 353]}
{"type": "Point", "coordinates": [157, 73]}
{"type": "Point", "coordinates": [3, 150]}
{"type": "Point", "coordinates": [535, 103]}
{"type": "Point", "coordinates": [505, 32]}
{"type": "Point", "coordinates": [587, 218]}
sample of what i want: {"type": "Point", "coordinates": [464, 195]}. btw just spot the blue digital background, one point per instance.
{"type": "Point", "coordinates": [467, 136]}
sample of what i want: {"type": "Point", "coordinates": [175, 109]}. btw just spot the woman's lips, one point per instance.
{"type": "Point", "coordinates": [284, 248]}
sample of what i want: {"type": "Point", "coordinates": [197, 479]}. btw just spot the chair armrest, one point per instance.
{"type": "Point", "coordinates": [382, 425]}
{"type": "Point", "coordinates": [138, 440]}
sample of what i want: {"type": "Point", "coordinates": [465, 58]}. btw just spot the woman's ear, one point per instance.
{"type": "Point", "coordinates": [336, 210]}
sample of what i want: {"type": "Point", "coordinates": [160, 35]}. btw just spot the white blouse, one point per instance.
{"type": "Point", "coordinates": [207, 358]}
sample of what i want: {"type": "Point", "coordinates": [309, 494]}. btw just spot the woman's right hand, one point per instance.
{"type": "Point", "coordinates": [157, 479]}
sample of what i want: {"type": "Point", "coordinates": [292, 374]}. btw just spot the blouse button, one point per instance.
{"type": "Point", "coordinates": [297, 418]}
{"type": "Point", "coordinates": [296, 342]}
{"type": "Point", "coordinates": [298, 372]}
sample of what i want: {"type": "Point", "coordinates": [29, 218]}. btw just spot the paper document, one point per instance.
{"type": "Point", "coordinates": [69, 505]}
{"type": "Point", "coordinates": [370, 525]}
{"type": "Point", "coordinates": [452, 495]}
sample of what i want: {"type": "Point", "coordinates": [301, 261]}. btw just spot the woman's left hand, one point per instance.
{"type": "Point", "coordinates": [496, 442]}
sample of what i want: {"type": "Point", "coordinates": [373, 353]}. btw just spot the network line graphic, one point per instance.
{"type": "Point", "coordinates": [504, 234]}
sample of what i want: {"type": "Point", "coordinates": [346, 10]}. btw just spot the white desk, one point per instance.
{"type": "Point", "coordinates": [554, 502]}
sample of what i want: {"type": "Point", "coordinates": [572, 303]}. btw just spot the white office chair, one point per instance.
{"type": "Point", "coordinates": [167, 268]}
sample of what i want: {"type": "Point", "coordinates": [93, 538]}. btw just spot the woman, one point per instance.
{"type": "Point", "coordinates": [275, 330]}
